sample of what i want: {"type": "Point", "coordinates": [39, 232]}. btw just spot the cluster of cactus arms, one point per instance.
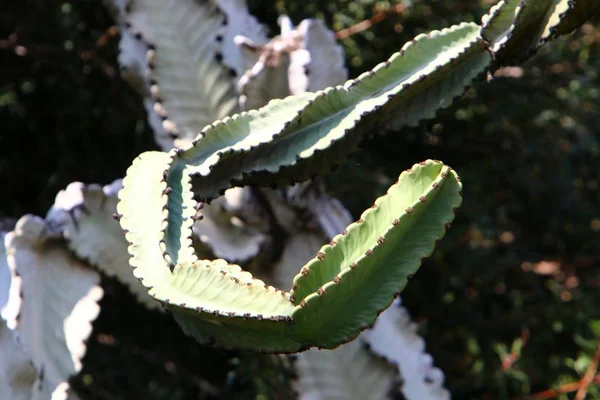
{"type": "Point", "coordinates": [183, 212]}
{"type": "Point", "coordinates": [351, 280]}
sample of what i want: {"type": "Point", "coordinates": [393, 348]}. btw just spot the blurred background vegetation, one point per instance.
{"type": "Point", "coordinates": [509, 303]}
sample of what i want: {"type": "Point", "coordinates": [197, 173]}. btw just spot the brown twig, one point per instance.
{"type": "Point", "coordinates": [590, 378]}
{"type": "Point", "coordinates": [562, 389]}
{"type": "Point", "coordinates": [367, 23]}
{"type": "Point", "coordinates": [590, 374]}
{"type": "Point", "coordinates": [512, 357]}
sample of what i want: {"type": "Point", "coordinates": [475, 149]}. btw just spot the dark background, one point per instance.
{"type": "Point", "coordinates": [509, 303]}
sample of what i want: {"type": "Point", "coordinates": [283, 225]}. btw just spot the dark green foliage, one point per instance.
{"type": "Point", "coordinates": [526, 149]}
{"type": "Point", "coordinates": [62, 103]}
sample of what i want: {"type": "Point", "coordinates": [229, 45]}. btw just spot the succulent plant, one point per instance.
{"type": "Point", "coordinates": [203, 61]}
{"type": "Point", "coordinates": [351, 280]}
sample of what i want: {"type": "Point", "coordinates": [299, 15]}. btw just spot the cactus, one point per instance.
{"type": "Point", "coordinates": [516, 29]}
{"type": "Point", "coordinates": [57, 293]}
{"type": "Point", "coordinates": [338, 293]}
{"type": "Point", "coordinates": [291, 140]}
{"type": "Point", "coordinates": [228, 314]}
{"type": "Point", "coordinates": [349, 99]}
{"type": "Point", "coordinates": [282, 66]}
{"type": "Point", "coordinates": [386, 359]}
{"type": "Point", "coordinates": [82, 215]}
{"type": "Point", "coordinates": [17, 376]}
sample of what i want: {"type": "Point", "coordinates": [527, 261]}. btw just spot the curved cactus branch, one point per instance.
{"type": "Point", "coordinates": [214, 301]}
{"type": "Point", "coordinates": [350, 281]}
{"type": "Point", "coordinates": [219, 302]}
{"type": "Point", "coordinates": [568, 16]}
{"type": "Point", "coordinates": [365, 267]}
{"type": "Point", "coordinates": [517, 28]}
{"type": "Point", "coordinates": [347, 372]}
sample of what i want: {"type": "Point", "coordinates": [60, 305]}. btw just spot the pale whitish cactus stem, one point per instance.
{"type": "Point", "coordinates": [238, 22]}
{"type": "Point", "coordinates": [226, 226]}
{"type": "Point", "coordinates": [350, 372]}
{"type": "Point", "coordinates": [59, 294]}
{"type": "Point", "coordinates": [17, 376]}
{"type": "Point", "coordinates": [178, 44]}
{"type": "Point", "coordinates": [10, 288]}
{"type": "Point", "coordinates": [301, 59]}
{"type": "Point", "coordinates": [394, 337]}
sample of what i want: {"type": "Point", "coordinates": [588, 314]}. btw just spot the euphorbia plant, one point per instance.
{"type": "Point", "coordinates": [341, 291]}
{"type": "Point", "coordinates": [349, 281]}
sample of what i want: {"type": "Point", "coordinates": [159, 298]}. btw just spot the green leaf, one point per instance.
{"type": "Point", "coordinates": [595, 327]}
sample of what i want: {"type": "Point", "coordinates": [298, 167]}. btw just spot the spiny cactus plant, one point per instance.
{"type": "Point", "coordinates": [291, 64]}
{"type": "Point", "coordinates": [350, 281]}
{"type": "Point", "coordinates": [302, 135]}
